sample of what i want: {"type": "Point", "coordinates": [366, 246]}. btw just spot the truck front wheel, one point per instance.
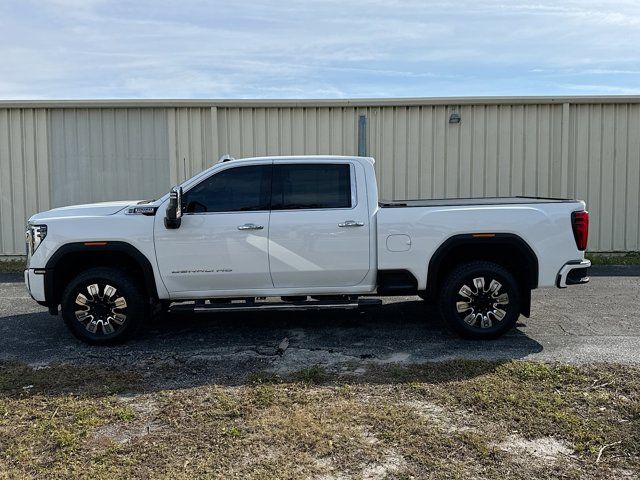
{"type": "Point", "coordinates": [103, 306]}
{"type": "Point", "coordinates": [480, 300]}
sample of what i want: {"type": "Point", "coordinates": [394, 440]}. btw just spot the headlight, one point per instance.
{"type": "Point", "coordinates": [35, 235]}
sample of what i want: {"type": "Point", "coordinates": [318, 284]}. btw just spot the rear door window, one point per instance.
{"type": "Point", "coordinates": [311, 186]}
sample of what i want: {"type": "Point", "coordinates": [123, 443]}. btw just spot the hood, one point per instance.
{"type": "Point", "coordinates": [87, 210]}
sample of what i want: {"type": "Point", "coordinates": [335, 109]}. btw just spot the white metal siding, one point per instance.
{"type": "Point", "coordinates": [199, 136]}
{"type": "Point", "coordinates": [497, 150]}
{"type": "Point", "coordinates": [604, 166]}
{"type": "Point", "coordinates": [584, 148]}
{"type": "Point", "coordinates": [107, 154]}
{"type": "Point", "coordinates": [24, 173]}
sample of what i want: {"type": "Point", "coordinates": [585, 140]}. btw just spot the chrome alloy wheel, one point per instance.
{"type": "Point", "coordinates": [482, 305]}
{"type": "Point", "coordinates": [101, 309]}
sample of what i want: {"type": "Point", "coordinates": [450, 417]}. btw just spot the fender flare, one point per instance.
{"type": "Point", "coordinates": [495, 240]}
{"type": "Point", "coordinates": [90, 247]}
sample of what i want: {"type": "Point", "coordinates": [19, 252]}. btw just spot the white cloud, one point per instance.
{"type": "Point", "coordinates": [605, 89]}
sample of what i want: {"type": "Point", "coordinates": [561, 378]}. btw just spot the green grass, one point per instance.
{"type": "Point", "coordinates": [17, 378]}
{"type": "Point", "coordinates": [628, 258]}
{"type": "Point", "coordinates": [311, 375]}
{"type": "Point", "coordinates": [12, 266]}
{"type": "Point", "coordinates": [453, 420]}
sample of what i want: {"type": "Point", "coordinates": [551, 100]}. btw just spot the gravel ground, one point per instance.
{"type": "Point", "coordinates": [597, 322]}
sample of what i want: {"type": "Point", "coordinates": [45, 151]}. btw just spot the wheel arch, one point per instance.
{"type": "Point", "coordinates": [72, 258]}
{"type": "Point", "coordinates": [506, 249]}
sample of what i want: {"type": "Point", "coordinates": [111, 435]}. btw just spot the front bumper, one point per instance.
{"type": "Point", "coordinates": [573, 273]}
{"type": "Point", "coordinates": [35, 283]}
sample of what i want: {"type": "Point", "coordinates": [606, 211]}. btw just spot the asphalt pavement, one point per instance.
{"type": "Point", "coordinates": [597, 322]}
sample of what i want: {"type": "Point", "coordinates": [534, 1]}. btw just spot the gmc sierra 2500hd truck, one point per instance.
{"type": "Point", "coordinates": [307, 229]}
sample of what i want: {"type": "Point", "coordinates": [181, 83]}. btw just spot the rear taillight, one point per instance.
{"type": "Point", "coordinates": [580, 225]}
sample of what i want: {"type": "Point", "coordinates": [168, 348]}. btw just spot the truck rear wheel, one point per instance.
{"type": "Point", "coordinates": [103, 306]}
{"type": "Point", "coordinates": [480, 300]}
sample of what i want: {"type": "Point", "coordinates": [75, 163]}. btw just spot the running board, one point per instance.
{"type": "Point", "coordinates": [267, 306]}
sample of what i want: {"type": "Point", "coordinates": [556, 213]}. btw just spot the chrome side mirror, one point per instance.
{"type": "Point", "coordinates": [173, 216]}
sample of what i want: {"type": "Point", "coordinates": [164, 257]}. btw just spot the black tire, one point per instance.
{"type": "Point", "coordinates": [486, 304]}
{"type": "Point", "coordinates": [112, 316]}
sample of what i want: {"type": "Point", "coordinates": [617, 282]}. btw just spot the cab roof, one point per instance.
{"type": "Point", "coordinates": [327, 158]}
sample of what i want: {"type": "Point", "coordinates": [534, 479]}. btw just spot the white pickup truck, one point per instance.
{"type": "Point", "coordinates": [307, 229]}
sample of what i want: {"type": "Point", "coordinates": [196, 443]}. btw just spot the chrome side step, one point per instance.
{"type": "Point", "coordinates": [249, 306]}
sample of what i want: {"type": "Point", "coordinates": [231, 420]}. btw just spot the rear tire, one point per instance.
{"type": "Point", "coordinates": [480, 300]}
{"type": "Point", "coordinates": [103, 306]}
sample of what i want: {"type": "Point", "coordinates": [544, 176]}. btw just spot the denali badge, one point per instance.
{"type": "Point", "coordinates": [142, 210]}
{"type": "Point", "coordinates": [204, 270]}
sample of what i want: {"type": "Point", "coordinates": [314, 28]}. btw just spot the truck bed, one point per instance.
{"type": "Point", "coordinates": [443, 202]}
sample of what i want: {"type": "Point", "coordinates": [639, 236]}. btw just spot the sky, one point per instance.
{"type": "Point", "coordinates": [85, 49]}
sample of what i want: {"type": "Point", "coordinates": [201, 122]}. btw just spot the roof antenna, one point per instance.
{"type": "Point", "coordinates": [225, 158]}
{"type": "Point", "coordinates": [184, 168]}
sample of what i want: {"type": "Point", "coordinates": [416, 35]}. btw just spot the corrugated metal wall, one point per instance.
{"type": "Point", "coordinates": [201, 135]}
{"type": "Point", "coordinates": [604, 166]}
{"type": "Point", "coordinates": [551, 147]}
{"type": "Point", "coordinates": [496, 150]}
{"type": "Point", "coordinates": [24, 173]}
{"type": "Point", "coordinates": [107, 154]}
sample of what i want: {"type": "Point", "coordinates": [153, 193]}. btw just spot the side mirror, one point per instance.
{"type": "Point", "coordinates": [173, 217]}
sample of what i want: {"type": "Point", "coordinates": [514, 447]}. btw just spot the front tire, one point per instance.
{"type": "Point", "coordinates": [103, 306]}
{"type": "Point", "coordinates": [480, 300]}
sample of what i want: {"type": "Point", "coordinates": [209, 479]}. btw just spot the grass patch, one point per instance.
{"type": "Point", "coordinates": [17, 379]}
{"type": "Point", "coordinates": [437, 420]}
{"type": "Point", "coordinates": [12, 266]}
{"type": "Point", "coordinates": [628, 258]}
{"type": "Point", "coordinates": [312, 375]}
{"type": "Point", "coordinates": [588, 407]}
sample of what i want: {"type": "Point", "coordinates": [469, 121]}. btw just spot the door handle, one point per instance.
{"type": "Point", "coordinates": [250, 226]}
{"type": "Point", "coordinates": [351, 223]}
